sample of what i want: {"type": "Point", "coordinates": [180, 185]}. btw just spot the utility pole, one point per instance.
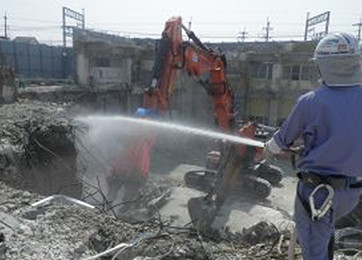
{"type": "Point", "coordinates": [189, 28]}
{"type": "Point", "coordinates": [83, 20]}
{"type": "Point", "coordinates": [243, 35]}
{"type": "Point", "coordinates": [5, 26]}
{"type": "Point", "coordinates": [326, 31]}
{"type": "Point", "coordinates": [306, 27]}
{"type": "Point", "coordinates": [190, 23]}
{"type": "Point", "coordinates": [359, 28]}
{"type": "Point", "coordinates": [64, 29]}
{"type": "Point", "coordinates": [267, 29]}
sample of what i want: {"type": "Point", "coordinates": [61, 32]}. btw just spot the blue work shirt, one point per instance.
{"type": "Point", "coordinates": [330, 122]}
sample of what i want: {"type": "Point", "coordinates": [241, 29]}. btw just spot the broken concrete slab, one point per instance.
{"type": "Point", "coordinates": [8, 222]}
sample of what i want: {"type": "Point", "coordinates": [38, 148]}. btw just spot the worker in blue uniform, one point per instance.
{"type": "Point", "coordinates": [329, 120]}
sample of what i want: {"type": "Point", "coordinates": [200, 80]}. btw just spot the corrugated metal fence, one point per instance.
{"type": "Point", "coordinates": [38, 60]}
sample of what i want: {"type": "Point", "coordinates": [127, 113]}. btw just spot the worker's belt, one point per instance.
{"type": "Point", "coordinates": [335, 181]}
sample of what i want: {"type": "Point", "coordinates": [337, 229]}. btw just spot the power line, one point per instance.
{"type": "Point", "coordinates": [150, 34]}
{"type": "Point", "coordinates": [242, 36]}
{"type": "Point", "coordinates": [30, 28]}
{"type": "Point", "coordinates": [201, 35]}
{"type": "Point", "coordinates": [160, 23]}
{"type": "Point", "coordinates": [34, 20]}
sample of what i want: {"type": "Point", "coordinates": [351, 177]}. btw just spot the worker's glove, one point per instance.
{"type": "Point", "coordinates": [271, 149]}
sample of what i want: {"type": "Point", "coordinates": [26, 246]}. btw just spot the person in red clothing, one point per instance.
{"type": "Point", "coordinates": [131, 168]}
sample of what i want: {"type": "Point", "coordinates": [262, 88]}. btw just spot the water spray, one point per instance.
{"type": "Point", "coordinates": [173, 127]}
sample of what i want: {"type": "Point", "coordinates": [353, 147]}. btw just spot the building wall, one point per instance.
{"type": "Point", "coordinates": [266, 78]}
{"type": "Point", "coordinates": [272, 78]}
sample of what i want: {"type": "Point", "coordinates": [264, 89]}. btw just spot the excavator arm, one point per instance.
{"type": "Point", "coordinates": [199, 61]}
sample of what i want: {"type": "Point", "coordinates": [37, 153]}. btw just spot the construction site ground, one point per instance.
{"type": "Point", "coordinates": [158, 226]}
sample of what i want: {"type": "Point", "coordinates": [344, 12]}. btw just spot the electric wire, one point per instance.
{"type": "Point", "coordinates": [50, 26]}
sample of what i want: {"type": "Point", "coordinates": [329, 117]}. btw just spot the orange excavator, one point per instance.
{"type": "Point", "coordinates": [231, 167]}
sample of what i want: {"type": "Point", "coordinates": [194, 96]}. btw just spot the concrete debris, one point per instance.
{"type": "Point", "coordinates": [39, 157]}
{"type": "Point", "coordinates": [74, 232]}
{"type": "Point", "coordinates": [260, 233]}
{"type": "Point", "coordinates": [349, 238]}
{"type": "Point", "coordinates": [37, 148]}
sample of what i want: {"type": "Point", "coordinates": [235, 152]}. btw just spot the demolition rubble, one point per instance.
{"type": "Point", "coordinates": [37, 148]}
{"type": "Point", "coordinates": [39, 159]}
{"type": "Point", "coordinates": [62, 230]}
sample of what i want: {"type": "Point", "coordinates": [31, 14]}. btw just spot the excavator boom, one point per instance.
{"type": "Point", "coordinates": [199, 61]}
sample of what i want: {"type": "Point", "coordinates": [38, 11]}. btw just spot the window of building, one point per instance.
{"type": "Point", "coordinates": [261, 70]}
{"type": "Point", "coordinates": [295, 72]}
{"type": "Point", "coordinates": [269, 71]}
{"type": "Point", "coordinates": [102, 62]}
{"type": "Point", "coordinates": [310, 73]}
{"type": "Point", "coordinates": [292, 72]}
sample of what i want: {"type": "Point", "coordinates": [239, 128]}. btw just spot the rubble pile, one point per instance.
{"type": "Point", "coordinates": [58, 231]}
{"type": "Point", "coordinates": [37, 150]}
{"type": "Point", "coordinates": [64, 231]}
{"type": "Point", "coordinates": [39, 157]}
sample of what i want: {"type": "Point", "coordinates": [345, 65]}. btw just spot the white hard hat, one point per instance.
{"type": "Point", "coordinates": [337, 45]}
{"type": "Point", "coordinates": [339, 60]}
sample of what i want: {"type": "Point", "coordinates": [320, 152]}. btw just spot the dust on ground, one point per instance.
{"type": "Point", "coordinates": [61, 230]}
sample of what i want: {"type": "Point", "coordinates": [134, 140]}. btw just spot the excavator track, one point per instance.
{"type": "Point", "coordinates": [269, 172]}
{"type": "Point", "coordinates": [247, 184]}
{"type": "Point", "coordinates": [256, 186]}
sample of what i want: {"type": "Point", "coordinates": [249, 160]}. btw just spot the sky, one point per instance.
{"type": "Point", "coordinates": [212, 21]}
